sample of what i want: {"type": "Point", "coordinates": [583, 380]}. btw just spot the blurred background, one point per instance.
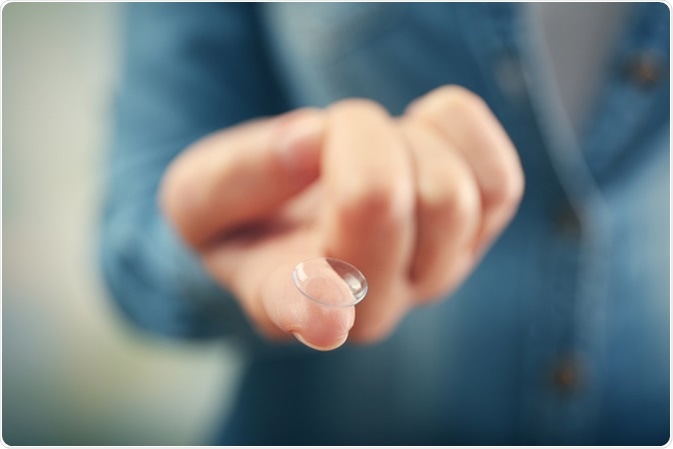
{"type": "Point", "coordinates": [73, 371]}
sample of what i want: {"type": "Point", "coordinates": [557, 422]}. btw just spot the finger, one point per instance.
{"type": "Point", "coordinates": [317, 326]}
{"type": "Point", "coordinates": [261, 278]}
{"type": "Point", "coordinates": [465, 120]}
{"type": "Point", "coordinates": [238, 175]}
{"type": "Point", "coordinates": [448, 211]}
{"type": "Point", "coordinates": [368, 218]}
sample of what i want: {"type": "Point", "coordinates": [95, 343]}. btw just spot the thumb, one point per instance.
{"type": "Point", "coordinates": [241, 174]}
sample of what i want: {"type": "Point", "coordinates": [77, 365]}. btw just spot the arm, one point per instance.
{"type": "Point", "coordinates": [188, 69]}
{"type": "Point", "coordinates": [412, 201]}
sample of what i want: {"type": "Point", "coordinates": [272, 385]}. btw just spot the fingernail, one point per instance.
{"type": "Point", "coordinates": [319, 348]}
{"type": "Point", "coordinates": [298, 141]}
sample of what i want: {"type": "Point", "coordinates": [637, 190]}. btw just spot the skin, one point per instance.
{"type": "Point", "coordinates": [412, 201]}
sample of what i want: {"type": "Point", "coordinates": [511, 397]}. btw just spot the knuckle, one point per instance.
{"type": "Point", "coordinates": [454, 210]}
{"type": "Point", "coordinates": [439, 205]}
{"type": "Point", "coordinates": [459, 99]}
{"type": "Point", "coordinates": [507, 188]}
{"type": "Point", "coordinates": [466, 99]}
{"type": "Point", "coordinates": [460, 206]}
{"type": "Point", "coordinates": [371, 207]}
{"type": "Point", "coordinates": [359, 106]}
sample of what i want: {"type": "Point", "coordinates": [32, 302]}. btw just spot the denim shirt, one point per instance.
{"type": "Point", "coordinates": [560, 336]}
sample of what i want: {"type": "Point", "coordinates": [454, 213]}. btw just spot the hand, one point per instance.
{"type": "Point", "coordinates": [413, 202]}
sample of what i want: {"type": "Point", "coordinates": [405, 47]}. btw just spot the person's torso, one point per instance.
{"type": "Point", "coordinates": [561, 335]}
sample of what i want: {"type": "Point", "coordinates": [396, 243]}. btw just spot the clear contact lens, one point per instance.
{"type": "Point", "coordinates": [330, 282]}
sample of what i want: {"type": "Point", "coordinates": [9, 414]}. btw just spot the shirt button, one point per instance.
{"type": "Point", "coordinates": [566, 374]}
{"type": "Point", "coordinates": [510, 78]}
{"type": "Point", "coordinates": [567, 222]}
{"type": "Point", "coordinates": [645, 69]}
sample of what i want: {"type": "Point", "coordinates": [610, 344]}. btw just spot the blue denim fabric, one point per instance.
{"type": "Point", "coordinates": [560, 336]}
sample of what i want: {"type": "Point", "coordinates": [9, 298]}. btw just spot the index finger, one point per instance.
{"type": "Point", "coordinates": [369, 207]}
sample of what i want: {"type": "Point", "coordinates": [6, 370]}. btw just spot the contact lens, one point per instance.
{"type": "Point", "coordinates": [330, 282]}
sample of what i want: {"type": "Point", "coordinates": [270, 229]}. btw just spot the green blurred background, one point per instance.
{"type": "Point", "coordinates": [73, 371]}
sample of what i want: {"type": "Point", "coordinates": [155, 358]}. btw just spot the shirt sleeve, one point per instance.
{"type": "Point", "coordinates": [187, 70]}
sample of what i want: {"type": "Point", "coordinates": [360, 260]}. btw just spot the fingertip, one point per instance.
{"type": "Point", "coordinates": [322, 346]}
{"type": "Point", "coordinates": [317, 326]}
{"type": "Point", "coordinates": [323, 328]}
